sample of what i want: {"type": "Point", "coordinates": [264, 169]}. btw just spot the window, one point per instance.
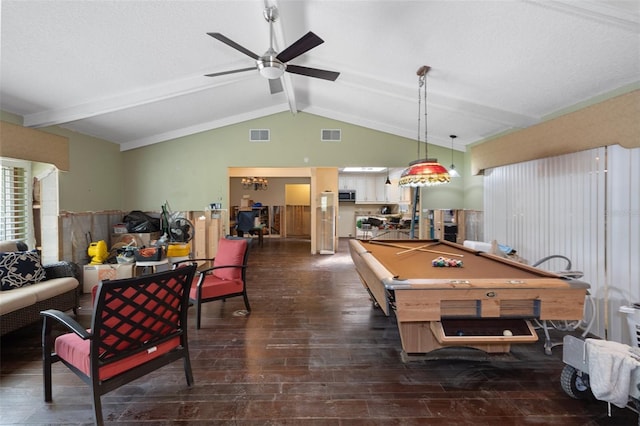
{"type": "Point", "coordinates": [15, 193]}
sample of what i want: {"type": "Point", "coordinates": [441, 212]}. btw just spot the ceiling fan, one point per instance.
{"type": "Point", "coordinates": [272, 64]}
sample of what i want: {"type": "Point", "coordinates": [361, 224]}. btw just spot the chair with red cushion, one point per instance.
{"type": "Point", "coordinates": [227, 277]}
{"type": "Point", "coordinates": [138, 325]}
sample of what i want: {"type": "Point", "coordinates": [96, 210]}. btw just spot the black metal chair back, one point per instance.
{"type": "Point", "coordinates": [138, 325]}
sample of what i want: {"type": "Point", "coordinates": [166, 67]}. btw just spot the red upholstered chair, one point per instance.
{"type": "Point", "coordinates": [227, 277]}
{"type": "Point", "coordinates": [138, 325]}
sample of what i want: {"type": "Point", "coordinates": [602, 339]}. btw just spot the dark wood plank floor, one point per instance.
{"type": "Point", "coordinates": [314, 351]}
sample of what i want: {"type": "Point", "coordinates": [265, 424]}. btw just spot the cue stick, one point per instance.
{"type": "Point", "coordinates": [415, 248]}
{"type": "Point", "coordinates": [419, 249]}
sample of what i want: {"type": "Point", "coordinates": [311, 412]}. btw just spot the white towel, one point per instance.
{"type": "Point", "coordinates": [610, 369]}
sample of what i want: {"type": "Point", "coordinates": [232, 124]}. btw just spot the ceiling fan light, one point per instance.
{"type": "Point", "coordinates": [271, 68]}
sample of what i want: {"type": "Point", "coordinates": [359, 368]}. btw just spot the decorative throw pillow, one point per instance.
{"type": "Point", "coordinates": [20, 268]}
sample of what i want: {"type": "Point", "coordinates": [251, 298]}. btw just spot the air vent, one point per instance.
{"type": "Point", "coordinates": [260, 135]}
{"type": "Point", "coordinates": [331, 135]}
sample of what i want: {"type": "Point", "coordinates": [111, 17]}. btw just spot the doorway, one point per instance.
{"type": "Point", "coordinates": [298, 210]}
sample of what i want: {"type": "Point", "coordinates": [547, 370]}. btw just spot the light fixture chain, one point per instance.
{"type": "Point", "coordinates": [423, 172]}
{"type": "Point", "coordinates": [426, 140]}
{"type": "Point", "coordinates": [421, 81]}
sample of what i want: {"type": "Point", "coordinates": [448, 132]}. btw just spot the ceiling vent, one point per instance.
{"type": "Point", "coordinates": [331, 135]}
{"type": "Point", "coordinates": [259, 135]}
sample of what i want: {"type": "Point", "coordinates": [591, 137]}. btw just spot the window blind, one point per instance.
{"type": "Point", "coordinates": [15, 210]}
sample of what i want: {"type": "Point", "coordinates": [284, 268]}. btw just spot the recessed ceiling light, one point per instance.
{"type": "Point", "coordinates": [363, 169]}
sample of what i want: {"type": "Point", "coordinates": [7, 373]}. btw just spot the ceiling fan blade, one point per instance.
{"type": "Point", "coordinates": [233, 44]}
{"type": "Point", "coordinates": [313, 72]}
{"type": "Point", "coordinates": [304, 44]}
{"type": "Point", "coordinates": [275, 86]}
{"type": "Point", "coordinates": [215, 74]}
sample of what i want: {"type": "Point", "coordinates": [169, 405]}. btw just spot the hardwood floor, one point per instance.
{"type": "Point", "coordinates": [314, 351]}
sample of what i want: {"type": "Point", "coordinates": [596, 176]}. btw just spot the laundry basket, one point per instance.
{"type": "Point", "coordinates": [633, 318]}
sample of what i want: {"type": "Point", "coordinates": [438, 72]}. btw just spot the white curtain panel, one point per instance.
{"type": "Point", "coordinates": [584, 206]}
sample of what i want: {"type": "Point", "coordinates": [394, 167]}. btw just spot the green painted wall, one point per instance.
{"type": "Point", "coordinates": [94, 181]}
{"type": "Point", "coordinates": [191, 172]}
{"type": "Point", "coordinates": [96, 178]}
{"type": "Point", "coordinates": [10, 118]}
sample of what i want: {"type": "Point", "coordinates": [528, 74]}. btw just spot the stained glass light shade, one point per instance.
{"type": "Point", "coordinates": [427, 172]}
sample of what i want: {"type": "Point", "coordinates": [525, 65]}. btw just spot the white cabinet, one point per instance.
{"type": "Point", "coordinates": [371, 188]}
{"type": "Point", "coordinates": [404, 194]}
{"type": "Point", "coordinates": [365, 189]}
{"type": "Point", "coordinates": [346, 181]}
{"type": "Point", "coordinates": [393, 192]}
{"type": "Point", "coordinates": [381, 193]}
{"type": "Point", "coordinates": [397, 194]}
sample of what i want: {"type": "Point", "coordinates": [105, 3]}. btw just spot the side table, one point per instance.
{"type": "Point", "coordinates": [152, 266]}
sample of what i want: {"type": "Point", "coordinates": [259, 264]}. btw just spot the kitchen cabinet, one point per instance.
{"type": "Point", "coordinates": [404, 195]}
{"type": "Point", "coordinates": [371, 189]}
{"type": "Point", "coordinates": [346, 181]}
{"type": "Point", "coordinates": [380, 189]}
{"type": "Point", "coordinates": [395, 193]}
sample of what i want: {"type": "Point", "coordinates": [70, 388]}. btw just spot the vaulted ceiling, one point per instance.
{"type": "Point", "coordinates": [132, 72]}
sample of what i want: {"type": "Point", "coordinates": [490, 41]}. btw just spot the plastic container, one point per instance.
{"type": "Point", "coordinates": [178, 250]}
{"type": "Point", "coordinates": [633, 318]}
{"type": "Point", "coordinates": [150, 254]}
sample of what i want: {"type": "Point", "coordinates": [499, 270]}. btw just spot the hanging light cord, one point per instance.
{"type": "Point", "coordinates": [426, 141]}
{"type": "Point", "coordinates": [422, 83]}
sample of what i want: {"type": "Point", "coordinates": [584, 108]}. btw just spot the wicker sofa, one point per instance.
{"type": "Point", "coordinates": [60, 289]}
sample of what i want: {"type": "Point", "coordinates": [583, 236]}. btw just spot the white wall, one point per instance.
{"type": "Point", "coordinates": [584, 206]}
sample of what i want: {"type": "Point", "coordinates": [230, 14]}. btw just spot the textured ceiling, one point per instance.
{"type": "Point", "coordinates": [132, 72]}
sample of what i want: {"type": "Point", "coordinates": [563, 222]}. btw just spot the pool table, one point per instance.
{"type": "Point", "coordinates": [484, 303]}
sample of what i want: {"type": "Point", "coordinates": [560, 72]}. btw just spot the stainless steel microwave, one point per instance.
{"type": "Point", "coordinates": [348, 195]}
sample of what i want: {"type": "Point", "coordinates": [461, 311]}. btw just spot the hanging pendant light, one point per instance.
{"type": "Point", "coordinates": [387, 182]}
{"type": "Point", "coordinates": [427, 171]}
{"type": "Point", "coordinates": [452, 169]}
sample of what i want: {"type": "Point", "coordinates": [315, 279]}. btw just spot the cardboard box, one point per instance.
{"type": "Point", "coordinates": [93, 274]}
{"type": "Point", "coordinates": [208, 232]}
{"type": "Point", "coordinates": [246, 203]}
{"type": "Point", "coordinates": [120, 228]}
